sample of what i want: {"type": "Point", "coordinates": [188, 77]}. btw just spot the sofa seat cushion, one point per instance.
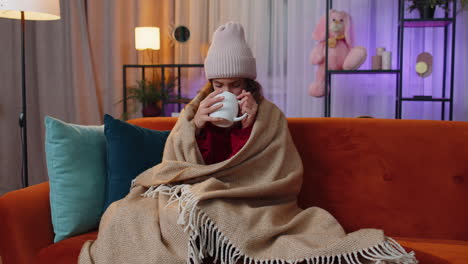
{"type": "Point", "coordinates": [428, 251]}
{"type": "Point", "coordinates": [65, 251]}
{"type": "Point", "coordinates": [431, 251]}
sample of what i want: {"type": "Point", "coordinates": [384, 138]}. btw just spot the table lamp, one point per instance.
{"type": "Point", "coordinates": [147, 39]}
{"type": "Point", "coordinates": [27, 10]}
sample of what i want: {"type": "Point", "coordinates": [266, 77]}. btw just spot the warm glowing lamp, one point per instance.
{"type": "Point", "coordinates": [32, 9]}
{"type": "Point", "coordinates": [27, 10]}
{"type": "Point", "coordinates": [147, 38]}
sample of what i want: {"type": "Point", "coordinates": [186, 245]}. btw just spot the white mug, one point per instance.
{"type": "Point", "coordinates": [229, 110]}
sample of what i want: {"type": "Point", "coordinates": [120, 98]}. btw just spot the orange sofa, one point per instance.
{"type": "Point", "coordinates": [407, 177]}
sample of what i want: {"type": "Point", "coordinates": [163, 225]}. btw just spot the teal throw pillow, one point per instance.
{"type": "Point", "coordinates": [130, 151]}
{"type": "Point", "coordinates": [76, 164]}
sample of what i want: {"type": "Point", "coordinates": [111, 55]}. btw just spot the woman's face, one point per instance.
{"type": "Point", "coordinates": [233, 85]}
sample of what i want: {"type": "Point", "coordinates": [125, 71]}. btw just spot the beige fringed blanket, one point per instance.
{"type": "Point", "coordinates": [242, 210]}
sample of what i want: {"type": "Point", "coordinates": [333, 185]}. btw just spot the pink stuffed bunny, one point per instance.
{"type": "Point", "coordinates": [341, 55]}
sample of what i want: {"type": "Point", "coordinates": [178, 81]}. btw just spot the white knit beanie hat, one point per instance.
{"type": "Point", "coordinates": [229, 55]}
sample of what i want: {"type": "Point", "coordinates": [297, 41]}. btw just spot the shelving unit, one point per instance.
{"type": "Point", "coordinates": [447, 96]}
{"type": "Point", "coordinates": [163, 68]}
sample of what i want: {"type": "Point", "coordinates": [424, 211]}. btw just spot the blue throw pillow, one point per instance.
{"type": "Point", "coordinates": [76, 164]}
{"type": "Point", "coordinates": [130, 151]}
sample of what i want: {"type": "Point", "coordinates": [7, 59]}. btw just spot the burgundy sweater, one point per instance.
{"type": "Point", "coordinates": [217, 144]}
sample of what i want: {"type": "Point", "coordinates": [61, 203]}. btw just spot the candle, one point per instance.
{"type": "Point", "coordinates": [380, 51]}
{"type": "Point", "coordinates": [386, 60]}
{"type": "Point", "coordinates": [376, 62]}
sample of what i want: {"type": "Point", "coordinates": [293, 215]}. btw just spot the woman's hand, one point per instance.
{"type": "Point", "coordinates": [207, 107]}
{"type": "Point", "coordinates": [249, 106]}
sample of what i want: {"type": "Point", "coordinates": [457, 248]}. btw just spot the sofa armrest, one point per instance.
{"type": "Point", "coordinates": [26, 224]}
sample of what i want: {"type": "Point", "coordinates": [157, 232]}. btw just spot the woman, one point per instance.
{"type": "Point", "coordinates": [229, 66]}
{"type": "Point", "coordinates": [240, 206]}
{"type": "Point", "coordinates": [216, 143]}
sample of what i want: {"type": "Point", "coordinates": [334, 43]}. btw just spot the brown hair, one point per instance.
{"type": "Point", "coordinates": [251, 86]}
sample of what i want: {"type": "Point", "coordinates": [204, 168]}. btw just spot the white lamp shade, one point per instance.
{"type": "Point", "coordinates": [33, 9]}
{"type": "Point", "coordinates": [147, 38]}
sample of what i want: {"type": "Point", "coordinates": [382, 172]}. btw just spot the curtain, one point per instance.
{"type": "Point", "coordinates": [10, 107]}
{"type": "Point", "coordinates": [74, 72]}
{"type": "Point", "coordinates": [53, 48]}
{"type": "Point", "coordinates": [280, 34]}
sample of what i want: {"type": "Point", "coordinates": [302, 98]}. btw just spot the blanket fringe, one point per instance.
{"type": "Point", "coordinates": [207, 240]}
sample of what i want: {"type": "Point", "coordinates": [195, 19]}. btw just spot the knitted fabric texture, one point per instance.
{"type": "Point", "coordinates": [241, 210]}
{"type": "Point", "coordinates": [229, 55]}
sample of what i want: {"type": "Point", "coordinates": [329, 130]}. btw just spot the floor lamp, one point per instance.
{"type": "Point", "coordinates": [27, 10]}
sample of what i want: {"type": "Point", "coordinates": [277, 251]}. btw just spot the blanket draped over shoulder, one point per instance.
{"type": "Point", "coordinates": [241, 210]}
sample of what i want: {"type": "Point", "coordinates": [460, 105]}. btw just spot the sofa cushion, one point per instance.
{"type": "Point", "coordinates": [389, 171]}
{"type": "Point", "coordinates": [433, 251]}
{"type": "Point", "coordinates": [130, 151]}
{"type": "Point", "coordinates": [76, 164]}
{"type": "Point", "coordinates": [65, 251]}
{"type": "Point", "coordinates": [428, 251]}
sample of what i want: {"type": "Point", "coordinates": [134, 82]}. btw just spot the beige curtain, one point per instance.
{"type": "Point", "coordinates": [74, 72]}
{"type": "Point", "coordinates": [10, 106]}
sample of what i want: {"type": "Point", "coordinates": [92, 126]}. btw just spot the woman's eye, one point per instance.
{"type": "Point", "coordinates": [236, 85]}
{"type": "Point", "coordinates": [341, 20]}
{"type": "Point", "coordinates": [334, 19]}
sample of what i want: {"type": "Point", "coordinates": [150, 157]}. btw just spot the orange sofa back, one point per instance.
{"type": "Point", "coordinates": [409, 177]}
